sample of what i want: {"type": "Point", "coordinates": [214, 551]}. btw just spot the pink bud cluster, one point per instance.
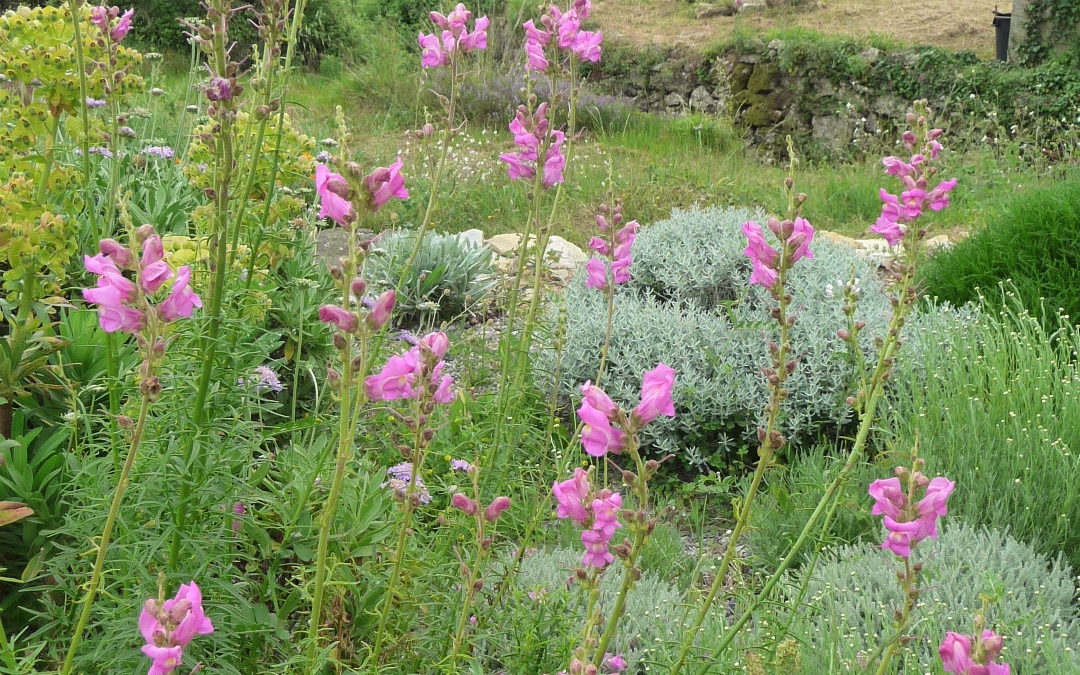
{"type": "Point", "coordinates": [957, 656]}
{"type": "Point", "coordinates": [123, 305]}
{"type": "Point", "coordinates": [415, 373]}
{"type": "Point", "coordinates": [102, 17]}
{"type": "Point", "coordinates": [596, 512]}
{"type": "Point", "coordinates": [916, 174]}
{"type": "Point", "coordinates": [538, 145]}
{"type": "Point", "coordinates": [611, 665]}
{"type": "Point", "coordinates": [470, 508]}
{"type": "Point", "coordinates": [438, 50]}
{"type": "Point", "coordinates": [170, 626]}
{"type": "Point", "coordinates": [605, 427]}
{"type": "Point", "coordinates": [909, 521]}
{"type": "Point", "coordinates": [615, 246]}
{"type": "Point", "coordinates": [335, 194]}
{"type": "Point", "coordinates": [561, 30]}
{"type": "Point", "coordinates": [795, 236]}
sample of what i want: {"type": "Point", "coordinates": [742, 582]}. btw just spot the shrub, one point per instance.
{"type": "Point", "coordinates": [689, 305]}
{"type": "Point", "coordinates": [994, 404]}
{"type": "Point", "coordinates": [1035, 242]}
{"type": "Point", "coordinates": [448, 277]}
{"type": "Point", "coordinates": [852, 594]}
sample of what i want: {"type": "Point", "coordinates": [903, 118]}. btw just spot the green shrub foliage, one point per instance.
{"type": "Point", "coordinates": [448, 277]}
{"type": "Point", "coordinates": [852, 595]}
{"type": "Point", "coordinates": [1035, 242]}
{"type": "Point", "coordinates": [690, 306]}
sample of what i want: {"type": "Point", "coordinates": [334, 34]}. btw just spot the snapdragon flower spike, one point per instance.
{"type": "Point", "coordinates": [437, 50]}
{"type": "Point", "coordinates": [909, 522]}
{"type": "Point", "coordinates": [402, 376]}
{"type": "Point", "coordinates": [562, 32]}
{"type": "Point", "coordinates": [597, 514]}
{"type": "Point", "coordinates": [533, 136]}
{"type": "Point", "coordinates": [615, 247]}
{"type": "Point", "coordinates": [170, 627]}
{"type": "Point", "coordinates": [334, 195]}
{"type": "Point", "coordinates": [794, 236]}
{"type": "Point", "coordinates": [957, 656]}
{"type": "Point", "coordinates": [102, 17]}
{"type": "Point", "coordinates": [915, 174]}
{"type": "Point", "coordinates": [122, 304]}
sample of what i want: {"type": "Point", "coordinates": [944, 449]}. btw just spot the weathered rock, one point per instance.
{"type": "Point", "coordinates": [838, 239]}
{"type": "Point", "coordinates": [832, 131]}
{"type": "Point", "coordinates": [504, 244]}
{"type": "Point", "coordinates": [701, 99]}
{"type": "Point", "coordinates": [870, 54]}
{"type": "Point", "coordinates": [473, 236]}
{"type": "Point", "coordinates": [564, 253]}
{"type": "Point", "coordinates": [674, 100]}
{"type": "Point", "coordinates": [706, 10]}
{"type": "Point", "coordinates": [938, 243]}
{"type": "Point", "coordinates": [763, 79]}
{"type": "Point", "coordinates": [749, 57]}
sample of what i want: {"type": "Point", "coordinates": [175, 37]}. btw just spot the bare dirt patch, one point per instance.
{"type": "Point", "coordinates": [954, 24]}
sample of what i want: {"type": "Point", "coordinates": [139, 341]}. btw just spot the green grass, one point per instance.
{"type": "Point", "coordinates": [993, 405]}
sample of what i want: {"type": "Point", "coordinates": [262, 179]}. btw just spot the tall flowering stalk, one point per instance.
{"type": "Point", "coordinates": [608, 429]}
{"type": "Point", "coordinates": [771, 268]}
{"type": "Point", "coordinates": [866, 398]}
{"type": "Point", "coordinates": [416, 375]}
{"type": "Point", "coordinates": [612, 268]}
{"type": "Point", "coordinates": [354, 325]}
{"type": "Point", "coordinates": [485, 520]}
{"type": "Point", "coordinates": [127, 306]}
{"type": "Point", "coordinates": [909, 520]}
{"type": "Point", "coordinates": [222, 91]}
{"type": "Point", "coordinates": [446, 49]}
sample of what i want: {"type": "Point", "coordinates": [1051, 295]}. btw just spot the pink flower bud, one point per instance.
{"type": "Point", "coordinates": [381, 310]}
{"type": "Point", "coordinates": [358, 286]}
{"type": "Point", "coordinates": [464, 504]}
{"type": "Point", "coordinates": [119, 254]}
{"type": "Point", "coordinates": [496, 508]}
{"type": "Point", "coordinates": [340, 317]}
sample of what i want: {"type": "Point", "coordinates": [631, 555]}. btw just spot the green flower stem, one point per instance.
{"type": "Point", "coordinates": [825, 504]}
{"type": "Point", "coordinates": [75, 7]}
{"type": "Point", "coordinates": [112, 369]}
{"type": "Point", "coordinates": [409, 507]}
{"type": "Point", "coordinates": [346, 432]}
{"type": "Point", "coordinates": [208, 344]}
{"type": "Point", "coordinates": [641, 537]}
{"type": "Point", "coordinates": [436, 179]}
{"type": "Point", "coordinates": [49, 157]}
{"type": "Point", "coordinates": [910, 584]}
{"type": "Point", "coordinates": [766, 456]}
{"type": "Point", "coordinates": [471, 583]}
{"type": "Point", "coordinates": [290, 50]}
{"type": "Point", "coordinates": [106, 534]}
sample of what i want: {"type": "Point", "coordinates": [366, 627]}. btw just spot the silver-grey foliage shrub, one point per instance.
{"type": "Point", "coordinates": [448, 277]}
{"type": "Point", "coordinates": [690, 306]}
{"type": "Point", "coordinates": [853, 592]}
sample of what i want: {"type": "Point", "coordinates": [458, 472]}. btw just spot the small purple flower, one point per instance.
{"type": "Point", "coordinates": [398, 477]}
{"type": "Point", "coordinates": [94, 102]}
{"type": "Point", "coordinates": [97, 150]}
{"type": "Point", "coordinates": [268, 380]}
{"type": "Point", "coordinates": [219, 89]}
{"type": "Point", "coordinates": [163, 151]}
{"type": "Point", "coordinates": [323, 157]}
{"type": "Point", "coordinates": [461, 465]}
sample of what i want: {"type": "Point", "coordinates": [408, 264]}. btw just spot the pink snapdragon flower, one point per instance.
{"type": "Point", "coordinates": [915, 174]}
{"type": "Point", "coordinates": [169, 628]}
{"type": "Point", "coordinates": [182, 301]}
{"type": "Point", "coordinates": [956, 655]}
{"type": "Point", "coordinates": [400, 377]}
{"type": "Point", "coordinates": [496, 508]}
{"type": "Point", "coordinates": [153, 270]}
{"type": "Point", "coordinates": [598, 435]}
{"type": "Point", "coordinates": [572, 497]}
{"type": "Point", "coordinates": [333, 194]}
{"type": "Point", "coordinates": [909, 522]}
{"type": "Point", "coordinates": [339, 317]}
{"type": "Point", "coordinates": [616, 248]}
{"type": "Point", "coordinates": [438, 50]}
{"type": "Point", "coordinates": [385, 183]}
{"type": "Point", "coordinates": [795, 235]}
{"type": "Point", "coordinates": [656, 388]}
{"type": "Point", "coordinates": [565, 28]}
{"type": "Point", "coordinates": [120, 31]}
{"type": "Point", "coordinates": [533, 136]}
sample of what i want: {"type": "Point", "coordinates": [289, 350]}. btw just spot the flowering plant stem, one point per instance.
{"type": "Point", "coordinates": [419, 454]}
{"type": "Point", "coordinates": [866, 407]}
{"type": "Point", "coordinates": [208, 345]}
{"type": "Point", "coordinates": [771, 440]}
{"type": "Point", "coordinates": [346, 432]}
{"type": "Point", "coordinates": [106, 535]}
{"type": "Point", "coordinates": [910, 584]}
{"type": "Point", "coordinates": [75, 7]}
{"type": "Point", "coordinates": [471, 581]}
